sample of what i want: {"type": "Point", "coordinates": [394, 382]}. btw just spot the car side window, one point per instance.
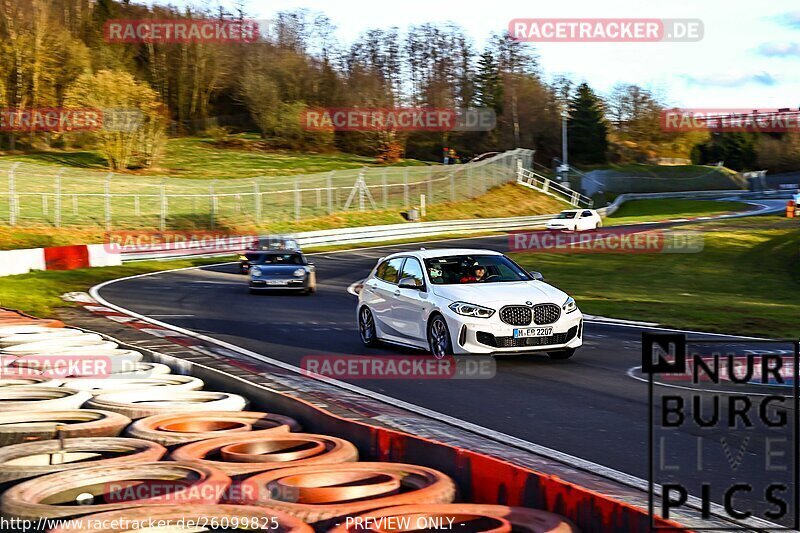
{"type": "Point", "coordinates": [412, 269]}
{"type": "Point", "coordinates": [389, 270]}
{"type": "Point", "coordinates": [587, 214]}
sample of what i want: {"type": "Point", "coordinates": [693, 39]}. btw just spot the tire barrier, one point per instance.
{"type": "Point", "coordinates": [216, 517]}
{"type": "Point", "coordinates": [87, 342]}
{"type": "Point", "coordinates": [466, 518]}
{"type": "Point", "coordinates": [41, 398]}
{"type": "Point", "coordinates": [54, 334]}
{"type": "Point", "coordinates": [144, 370]}
{"type": "Point", "coordinates": [158, 400]}
{"type": "Point", "coordinates": [79, 362]}
{"type": "Point", "coordinates": [23, 324]}
{"type": "Point", "coordinates": [64, 461]}
{"type": "Point", "coordinates": [31, 459]}
{"type": "Point", "coordinates": [324, 492]}
{"type": "Point", "coordinates": [170, 430]}
{"type": "Point", "coordinates": [109, 488]}
{"type": "Point", "coordinates": [261, 451]}
{"type": "Point", "coordinates": [22, 426]}
{"type": "Point", "coordinates": [114, 384]}
{"type": "Point", "coordinates": [27, 381]}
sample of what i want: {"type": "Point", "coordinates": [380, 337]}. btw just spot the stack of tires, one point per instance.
{"type": "Point", "coordinates": [137, 447]}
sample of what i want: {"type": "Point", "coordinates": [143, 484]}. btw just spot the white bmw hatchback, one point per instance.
{"type": "Point", "coordinates": [455, 301]}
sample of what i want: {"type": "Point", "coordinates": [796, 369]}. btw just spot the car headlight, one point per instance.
{"type": "Point", "coordinates": [569, 306]}
{"type": "Point", "coordinates": [477, 311]}
{"type": "Point", "coordinates": [255, 271]}
{"type": "Point", "coordinates": [242, 258]}
{"type": "Point", "coordinates": [299, 272]}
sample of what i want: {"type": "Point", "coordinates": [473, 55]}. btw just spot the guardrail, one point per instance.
{"type": "Point", "coordinates": [622, 198]}
{"type": "Point", "coordinates": [345, 236]}
{"type": "Point", "coordinates": [393, 232]}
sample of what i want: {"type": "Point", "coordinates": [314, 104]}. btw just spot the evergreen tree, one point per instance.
{"type": "Point", "coordinates": [488, 85]}
{"type": "Point", "coordinates": [586, 127]}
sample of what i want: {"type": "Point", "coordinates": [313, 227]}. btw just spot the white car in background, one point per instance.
{"type": "Point", "coordinates": [575, 220]}
{"type": "Point", "coordinates": [438, 300]}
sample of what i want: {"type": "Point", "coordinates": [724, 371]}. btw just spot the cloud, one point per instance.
{"type": "Point", "coordinates": [729, 80]}
{"type": "Point", "coordinates": [779, 49]}
{"type": "Point", "coordinates": [790, 19]}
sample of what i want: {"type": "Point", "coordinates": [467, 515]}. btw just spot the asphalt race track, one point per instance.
{"type": "Point", "coordinates": [588, 406]}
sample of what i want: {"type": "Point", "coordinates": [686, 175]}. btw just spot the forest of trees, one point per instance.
{"type": "Point", "coordinates": [53, 53]}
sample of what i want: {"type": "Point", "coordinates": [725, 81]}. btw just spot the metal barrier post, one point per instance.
{"type": "Point", "coordinates": [257, 200]}
{"type": "Point", "coordinates": [298, 201]}
{"type": "Point", "coordinates": [163, 210]}
{"type": "Point", "coordinates": [405, 188]}
{"type": "Point", "coordinates": [330, 192]}
{"type": "Point", "coordinates": [107, 200]}
{"type": "Point", "coordinates": [57, 199]}
{"type": "Point", "coordinates": [13, 204]}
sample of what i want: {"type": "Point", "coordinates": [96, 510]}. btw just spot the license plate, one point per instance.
{"type": "Point", "coordinates": [276, 282]}
{"type": "Point", "coordinates": [532, 332]}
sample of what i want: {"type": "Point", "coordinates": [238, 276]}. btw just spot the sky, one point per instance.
{"type": "Point", "coordinates": [749, 57]}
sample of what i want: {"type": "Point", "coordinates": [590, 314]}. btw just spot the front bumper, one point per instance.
{"type": "Point", "coordinates": [492, 336]}
{"type": "Point", "coordinates": [294, 283]}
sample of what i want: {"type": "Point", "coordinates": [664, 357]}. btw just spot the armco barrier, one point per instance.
{"type": "Point", "coordinates": [418, 230]}
{"type": "Point", "coordinates": [22, 261]}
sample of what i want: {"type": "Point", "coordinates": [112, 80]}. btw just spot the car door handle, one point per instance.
{"type": "Point", "coordinates": [397, 292]}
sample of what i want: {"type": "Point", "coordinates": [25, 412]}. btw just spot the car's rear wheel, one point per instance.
{"type": "Point", "coordinates": [366, 327]}
{"type": "Point", "coordinates": [439, 337]}
{"type": "Point", "coordinates": [562, 354]}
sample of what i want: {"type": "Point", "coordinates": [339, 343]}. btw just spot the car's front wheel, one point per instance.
{"type": "Point", "coordinates": [366, 327]}
{"type": "Point", "coordinates": [439, 337]}
{"type": "Point", "coordinates": [562, 354]}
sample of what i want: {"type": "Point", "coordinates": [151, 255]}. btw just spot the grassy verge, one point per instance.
{"type": "Point", "coordinates": [663, 209]}
{"type": "Point", "coordinates": [745, 281]}
{"type": "Point", "coordinates": [39, 293]}
{"type": "Point", "coordinates": [203, 158]}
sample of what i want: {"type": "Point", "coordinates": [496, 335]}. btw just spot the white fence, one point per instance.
{"type": "Point", "coordinates": [43, 195]}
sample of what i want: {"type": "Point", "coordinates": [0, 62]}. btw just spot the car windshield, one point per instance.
{"type": "Point", "coordinates": [274, 243]}
{"type": "Point", "coordinates": [457, 269]}
{"type": "Point", "coordinates": [567, 214]}
{"type": "Point", "coordinates": [277, 259]}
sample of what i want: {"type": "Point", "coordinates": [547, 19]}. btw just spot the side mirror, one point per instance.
{"type": "Point", "coordinates": [409, 283]}
{"type": "Point", "coordinates": [536, 275]}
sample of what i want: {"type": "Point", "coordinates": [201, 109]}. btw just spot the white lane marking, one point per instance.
{"type": "Point", "coordinates": [605, 319]}
{"type": "Point", "coordinates": [567, 459]}
{"type": "Point", "coordinates": [632, 374]}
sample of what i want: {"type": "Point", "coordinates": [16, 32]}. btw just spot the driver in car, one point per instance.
{"type": "Point", "coordinates": [478, 274]}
